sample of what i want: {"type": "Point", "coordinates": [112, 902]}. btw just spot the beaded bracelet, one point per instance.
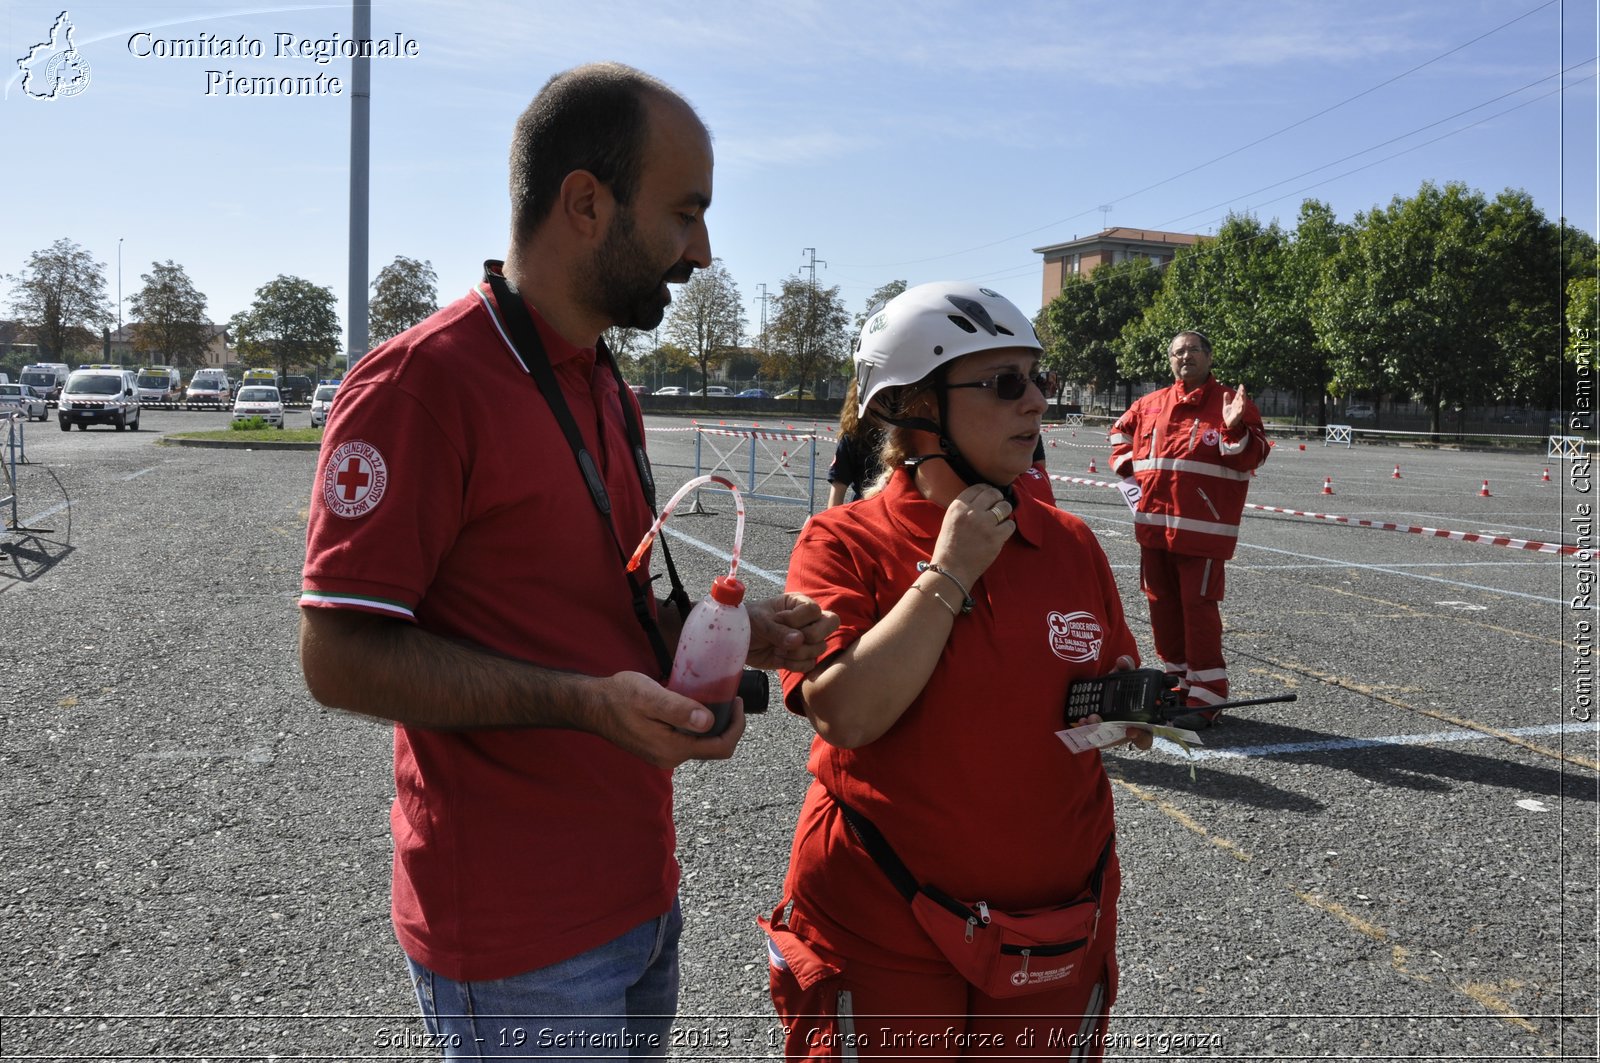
{"type": "Point", "coordinates": [966, 599]}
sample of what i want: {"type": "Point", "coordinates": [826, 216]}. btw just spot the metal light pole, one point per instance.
{"type": "Point", "coordinates": [360, 136]}
{"type": "Point", "coordinates": [120, 358]}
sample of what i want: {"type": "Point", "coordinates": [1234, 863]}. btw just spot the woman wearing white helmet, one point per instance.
{"type": "Point", "coordinates": [953, 869]}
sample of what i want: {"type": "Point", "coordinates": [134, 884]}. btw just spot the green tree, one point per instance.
{"type": "Point", "coordinates": [60, 298]}
{"type": "Point", "coordinates": [404, 293]}
{"type": "Point", "coordinates": [630, 348]}
{"type": "Point", "coordinates": [1524, 249]}
{"type": "Point", "coordinates": [1084, 323]}
{"type": "Point", "coordinates": [809, 332]}
{"type": "Point", "coordinates": [292, 323]}
{"type": "Point", "coordinates": [882, 295]}
{"type": "Point", "coordinates": [1306, 367]}
{"type": "Point", "coordinates": [1236, 288]}
{"type": "Point", "coordinates": [170, 315]}
{"type": "Point", "coordinates": [707, 317]}
{"type": "Point", "coordinates": [1412, 301]}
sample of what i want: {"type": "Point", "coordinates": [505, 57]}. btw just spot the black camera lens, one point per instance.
{"type": "Point", "coordinates": [754, 690]}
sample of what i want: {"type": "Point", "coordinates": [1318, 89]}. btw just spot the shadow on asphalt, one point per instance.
{"type": "Point", "coordinates": [1425, 768]}
{"type": "Point", "coordinates": [27, 557]}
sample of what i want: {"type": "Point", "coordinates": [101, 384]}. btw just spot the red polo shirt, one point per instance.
{"type": "Point", "coordinates": [971, 786]}
{"type": "Point", "coordinates": [448, 497]}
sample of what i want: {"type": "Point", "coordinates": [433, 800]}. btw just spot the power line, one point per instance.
{"type": "Point", "coordinates": [1020, 270]}
{"type": "Point", "coordinates": [1397, 139]}
{"type": "Point", "coordinates": [1219, 158]}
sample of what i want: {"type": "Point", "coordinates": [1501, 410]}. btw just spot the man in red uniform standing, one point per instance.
{"type": "Point", "coordinates": [1191, 447]}
{"type": "Point", "coordinates": [464, 580]}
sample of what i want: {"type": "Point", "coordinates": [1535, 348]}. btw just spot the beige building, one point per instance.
{"type": "Point", "coordinates": [1081, 257]}
{"type": "Point", "coordinates": [219, 352]}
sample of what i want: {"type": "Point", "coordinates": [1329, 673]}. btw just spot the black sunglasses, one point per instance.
{"type": "Point", "coordinates": [1009, 387]}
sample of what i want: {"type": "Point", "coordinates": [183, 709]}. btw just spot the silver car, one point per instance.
{"type": "Point", "coordinates": [30, 400]}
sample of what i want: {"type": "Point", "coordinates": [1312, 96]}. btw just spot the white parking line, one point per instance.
{"type": "Point", "coordinates": [52, 511]}
{"type": "Point", "coordinates": [1431, 738]}
{"type": "Point", "coordinates": [1393, 571]}
{"type": "Point", "coordinates": [772, 578]}
{"type": "Point", "coordinates": [141, 472]}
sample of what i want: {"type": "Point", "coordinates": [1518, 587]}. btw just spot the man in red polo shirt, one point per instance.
{"type": "Point", "coordinates": [462, 581]}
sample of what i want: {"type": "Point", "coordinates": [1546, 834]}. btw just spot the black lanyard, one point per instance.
{"type": "Point", "coordinates": [523, 336]}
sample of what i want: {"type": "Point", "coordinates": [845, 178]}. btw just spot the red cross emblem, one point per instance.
{"type": "Point", "coordinates": [354, 480]}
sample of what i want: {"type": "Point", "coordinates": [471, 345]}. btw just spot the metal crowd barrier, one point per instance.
{"type": "Point", "coordinates": [15, 444]}
{"type": "Point", "coordinates": [1337, 433]}
{"type": "Point", "coordinates": [1566, 447]}
{"type": "Point", "coordinates": [805, 448]}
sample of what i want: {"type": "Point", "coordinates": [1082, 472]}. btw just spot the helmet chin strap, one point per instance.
{"type": "Point", "coordinates": [949, 453]}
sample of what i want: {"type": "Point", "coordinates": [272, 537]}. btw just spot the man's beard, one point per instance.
{"type": "Point", "coordinates": [622, 283]}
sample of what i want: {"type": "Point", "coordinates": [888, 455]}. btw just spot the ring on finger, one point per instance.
{"type": "Point", "coordinates": [999, 514]}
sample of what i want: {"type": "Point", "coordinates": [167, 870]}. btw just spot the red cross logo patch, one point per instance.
{"type": "Point", "coordinates": [354, 480]}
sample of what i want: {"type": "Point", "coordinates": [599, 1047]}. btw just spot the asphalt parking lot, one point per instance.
{"type": "Point", "coordinates": [1401, 864]}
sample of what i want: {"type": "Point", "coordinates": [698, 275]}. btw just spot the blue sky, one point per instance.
{"type": "Point", "coordinates": [922, 140]}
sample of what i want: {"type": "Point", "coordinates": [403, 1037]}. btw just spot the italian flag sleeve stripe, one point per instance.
{"type": "Point", "coordinates": [367, 602]}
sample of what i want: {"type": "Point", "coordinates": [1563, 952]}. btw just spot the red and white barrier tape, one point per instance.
{"type": "Point", "coordinates": [1437, 533]}
{"type": "Point", "coordinates": [787, 437]}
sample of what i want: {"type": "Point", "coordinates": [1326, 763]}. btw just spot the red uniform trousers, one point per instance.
{"type": "Point", "coordinates": [838, 1008]}
{"type": "Point", "coordinates": [1183, 592]}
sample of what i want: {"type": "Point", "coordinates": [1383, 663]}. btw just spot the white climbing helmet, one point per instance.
{"type": "Point", "coordinates": [927, 326]}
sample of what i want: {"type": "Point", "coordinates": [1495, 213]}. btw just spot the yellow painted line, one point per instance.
{"type": "Point", "coordinates": [1371, 930]}
{"type": "Point", "coordinates": [1436, 714]}
{"type": "Point", "coordinates": [1185, 820]}
{"type": "Point", "coordinates": [1485, 994]}
{"type": "Point", "coordinates": [1449, 617]}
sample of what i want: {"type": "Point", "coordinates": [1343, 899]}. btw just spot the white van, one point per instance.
{"type": "Point", "coordinates": [99, 395]}
{"type": "Point", "coordinates": [209, 385]}
{"type": "Point", "coordinates": [159, 383]}
{"type": "Point", "coordinates": [48, 377]}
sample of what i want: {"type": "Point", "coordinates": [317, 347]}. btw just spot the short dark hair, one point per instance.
{"type": "Point", "coordinates": [593, 117]}
{"type": "Point", "coordinates": [1205, 343]}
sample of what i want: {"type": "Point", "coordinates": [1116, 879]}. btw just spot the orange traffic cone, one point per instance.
{"type": "Point", "coordinates": [1546, 477]}
{"type": "Point", "coordinates": [1396, 474]}
{"type": "Point", "coordinates": [1091, 466]}
{"type": "Point", "coordinates": [1327, 485]}
{"type": "Point", "coordinates": [1483, 492]}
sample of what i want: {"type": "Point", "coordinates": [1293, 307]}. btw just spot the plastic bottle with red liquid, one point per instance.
{"type": "Point", "coordinates": [712, 650]}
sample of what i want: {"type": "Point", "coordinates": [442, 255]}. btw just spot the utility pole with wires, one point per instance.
{"type": "Point", "coordinates": [766, 346]}
{"type": "Point", "coordinates": [811, 309]}
{"type": "Point", "coordinates": [812, 265]}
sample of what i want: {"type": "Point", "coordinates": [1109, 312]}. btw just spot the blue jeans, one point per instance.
{"type": "Point", "coordinates": [617, 1000]}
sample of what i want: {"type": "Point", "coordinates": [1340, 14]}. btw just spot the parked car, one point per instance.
{"type": "Point", "coordinates": [713, 391]}
{"type": "Point", "coordinates": [1358, 409]}
{"type": "Point", "coordinates": [30, 400]}
{"type": "Point", "coordinates": [259, 400]}
{"type": "Point", "coordinates": [755, 393]}
{"type": "Point", "coordinates": [321, 401]}
{"type": "Point", "coordinates": [639, 389]}
{"type": "Point", "coordinates": [671, 391]}
{"type": "Point", "coordinates": [99, 394]}
{"type": "Point", "coordinates": [296, 389]}
{"type": "Point", "coordinates": [798, 393]}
